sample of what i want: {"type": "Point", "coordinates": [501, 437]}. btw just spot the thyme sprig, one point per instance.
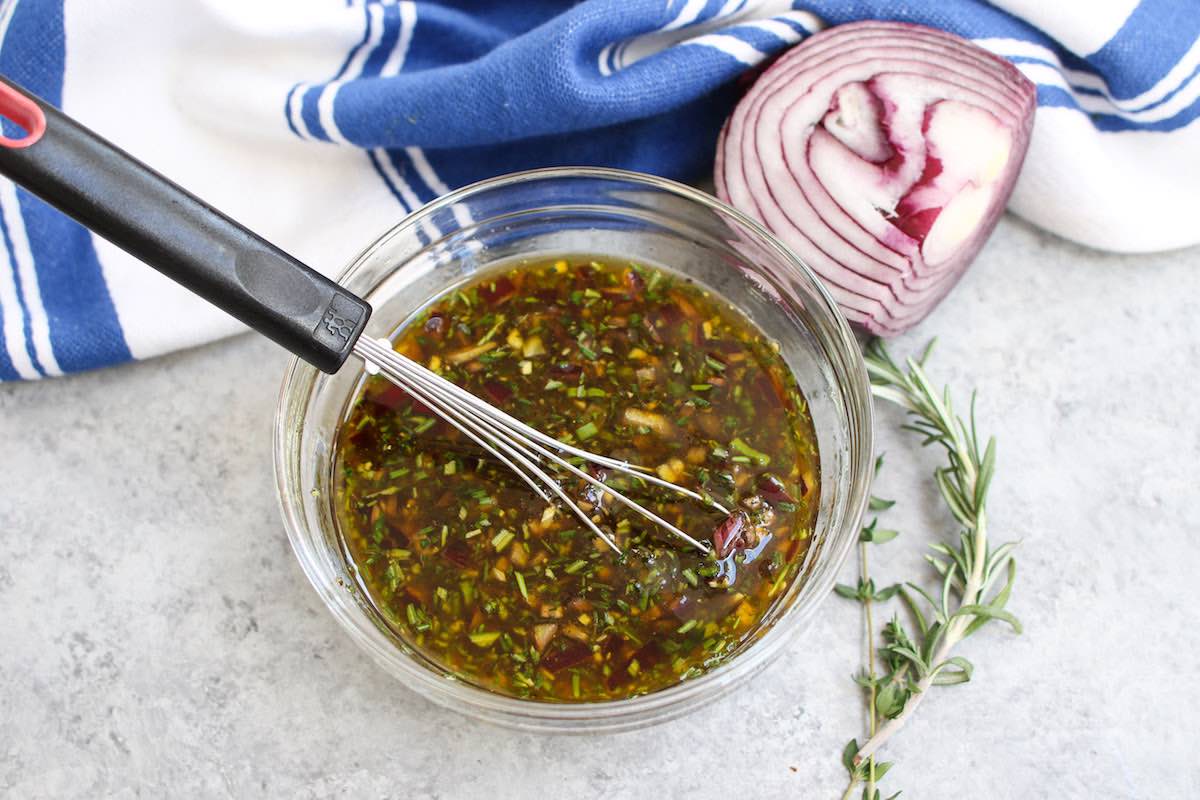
{"type": "Point", "coordinates": [917, 655]}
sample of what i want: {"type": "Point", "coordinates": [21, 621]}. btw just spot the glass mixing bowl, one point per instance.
{"type": "Point", "coordinates": [622, 216]}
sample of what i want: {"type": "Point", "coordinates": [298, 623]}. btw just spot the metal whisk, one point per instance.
{"type": "Point", "coordinates": [153, 219]}
{"type": "Point", "coordinates": [513, 443]}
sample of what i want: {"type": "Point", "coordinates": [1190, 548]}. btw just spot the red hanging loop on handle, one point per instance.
{"type": "Point", "coordinates": [18, 108]}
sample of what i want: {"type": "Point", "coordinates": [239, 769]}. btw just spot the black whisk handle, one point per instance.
{"type": "Point", "coordinates": [158, 222]}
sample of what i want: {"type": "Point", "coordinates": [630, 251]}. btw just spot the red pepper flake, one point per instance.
{"type": "Point", "coordinates": [393, 397]}
{"type": "Point", "coordinates": [458, 553]}
{"type": "Point", "coordinates": [568, 653]}
{"type": "Point", "coordinates": [646, 656]}
{"type": "Point", "coordinates": [498, 392]}
{"type": "Point", "coordinates": [611, 644]}
{"type": "Point", "coordinates": [671, 315]}
{"type": "Point", "coordinates": [498, 291]}
{"type": "Point", "coordinates": [365, 439]}
{"type": "Point", "coordinates": [421, 594]}
{"type": "Point", "coordinates": [793, 550]}
{"type": "Point", "coordinates": [649, 655]}
{"type": "Point", "coordinates": [763, 391]}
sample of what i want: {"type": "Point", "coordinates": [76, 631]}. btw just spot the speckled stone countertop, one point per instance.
{"type": "Point", "coordinates": [157, 637]}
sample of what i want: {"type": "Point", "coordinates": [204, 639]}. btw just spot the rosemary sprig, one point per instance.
{"type": "Point", "coordinates": [917, 656]}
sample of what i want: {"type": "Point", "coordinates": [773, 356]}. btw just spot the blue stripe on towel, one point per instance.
{"type": "Point", "coordinates": [1057, 97]}
{"type": "Point", "coordinates": [762, 40]}
{"type": "Point", "coordinates": [287, 112]}
{"type": "Point", "coordinates": [84, 329]}
{"type": "Point", "coordinates": [1155, 37]}
{"type": "Point", "coordinates": [309, 112]}
{"type": "Point", "coordinates": [7, 371]}
{"type": "Point", "coordinates": [1185, 83]}
{"type": "Point", "coordinates": [26, 326]}
{"type": "Point", "coordinates": [387, 42]}
{"type": "Point", "coordinates": [397, 158]}
{"type": "Point", "coordinates": [341, 73]}
{"type": "Point", "coordinates": [310, 115]}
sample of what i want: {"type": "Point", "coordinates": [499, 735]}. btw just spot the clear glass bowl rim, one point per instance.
{"type": "Point", "coordinates": [666, 703]}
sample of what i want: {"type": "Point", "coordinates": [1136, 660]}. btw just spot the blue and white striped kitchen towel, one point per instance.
{"type": "Point", "coordinates": [320, 123]}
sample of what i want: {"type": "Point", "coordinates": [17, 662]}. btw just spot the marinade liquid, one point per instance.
{"type": "Point", "coordinates": [513, 593]}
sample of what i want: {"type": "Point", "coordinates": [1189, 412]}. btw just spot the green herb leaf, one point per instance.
{"type": "Point", "coordinates": [886, 593]}
{"type": "Point", "coordinates": [484, 638]}
{"type": "Point", "coordinates": [987, 612]}
{"type": "Point", "coordinates": [745, 449]}
{"type": "Point", "coordinates": [882, 535]}
{"type": "Point", "coordinates": [848, 754]}
{"type": "Point", "coordinates": [502, 539]}
{"type": "Point", "coordinates": [890, 700]}
{"type": "Point", "coordinates": [955, 669]}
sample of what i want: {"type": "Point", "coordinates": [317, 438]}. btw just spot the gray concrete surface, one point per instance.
{"type": "Point", "coordinates": [157, 637]}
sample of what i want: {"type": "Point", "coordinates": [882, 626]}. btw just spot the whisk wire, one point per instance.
{"type": "Point", "coordinates": [515, 425]}
{"type": "Point", "coordinates": [515, 444]}
{"type": "Point", "coordinates": [543, 452]}
{"type": "Point", "coordinates": [443, 407]}
{"type": "Point", "coordinates": [463, 424]}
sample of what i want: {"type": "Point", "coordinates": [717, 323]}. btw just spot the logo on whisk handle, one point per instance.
{"type": "Point", "coordinates": [339, 323]}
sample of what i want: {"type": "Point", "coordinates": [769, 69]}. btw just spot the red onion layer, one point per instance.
{"type": "Point", "coordinates": [883, 154]}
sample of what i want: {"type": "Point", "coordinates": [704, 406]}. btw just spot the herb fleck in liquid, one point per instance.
{"type": "Point", "coordinates": [515, 594]}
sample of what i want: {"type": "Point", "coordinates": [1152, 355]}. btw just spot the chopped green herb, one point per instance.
{"type": "Point", "coordinates": [484, 638]}
{"type": "Point", "coordinates": [740, 445]}
{"type": "Point", "coordinates": [503, 539]}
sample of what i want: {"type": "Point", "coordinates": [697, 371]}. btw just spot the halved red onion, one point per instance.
{"type": "Point", "coordinates": [883, 154]}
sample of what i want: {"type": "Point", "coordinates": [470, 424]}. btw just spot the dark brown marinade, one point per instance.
{"type": "Point", "coordinates": [516, 595]}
